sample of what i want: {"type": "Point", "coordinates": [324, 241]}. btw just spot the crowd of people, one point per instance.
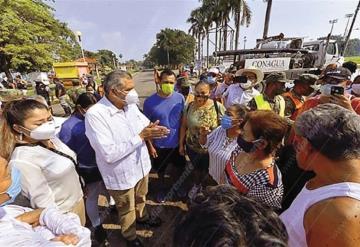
{"type": "Point", "coordinates": [273, 167]}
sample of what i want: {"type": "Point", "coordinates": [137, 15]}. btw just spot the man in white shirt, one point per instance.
{"type": "Point", "coordinates": [117, 131]}
{"type": "Point", "coordinates": [242, 90]}
{"type": "Point", "coordinates": [222, 87]}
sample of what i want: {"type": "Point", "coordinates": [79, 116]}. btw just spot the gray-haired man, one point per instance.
{"type": "Point", "coordinates": [117, 131]}
{"type": "Point", "coordinates": [326, 212]}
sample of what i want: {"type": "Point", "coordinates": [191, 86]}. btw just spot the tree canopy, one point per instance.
{"type": "Point", "coordinates": [31, 38]}
{"type": "Point", "coordinates": [173, 47]}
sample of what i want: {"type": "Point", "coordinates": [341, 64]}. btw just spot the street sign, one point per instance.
{"type": "Point", "coordinates": [269, 64]}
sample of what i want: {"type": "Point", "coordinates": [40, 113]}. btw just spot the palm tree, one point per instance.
{"type": "Point", "coordinates": [242, 16]}
{"type": "Point", "coordinates": [197, 28]}
{"type": "Point", "coordinates": [267, 18]}
{"type": "Point", "coordinates": [224, 10]}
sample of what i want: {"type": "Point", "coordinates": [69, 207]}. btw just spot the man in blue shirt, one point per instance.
{"type": "Point", "coordinates": [166, 106]}
{"type": "Point", "coordinates": [73, 135]}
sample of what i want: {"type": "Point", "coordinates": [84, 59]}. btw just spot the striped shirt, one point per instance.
{"type": "Point", "coordinates": [220, 148]}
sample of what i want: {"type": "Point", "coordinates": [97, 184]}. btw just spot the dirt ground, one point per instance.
{"type": "Point", "coordinates": [170, 212]}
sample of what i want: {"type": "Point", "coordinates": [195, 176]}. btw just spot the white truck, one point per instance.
{"type": "Point", "coordinates": [290, 55]}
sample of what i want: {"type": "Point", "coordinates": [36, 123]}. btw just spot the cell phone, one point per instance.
{"type": "Point", "coordinates": [240, 79]}
{"type": "Point", "coordinates": [337, 90]}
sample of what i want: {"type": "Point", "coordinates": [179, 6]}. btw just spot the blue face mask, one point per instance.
{"type": "Point", "coordinates": [211, 80]}
{"type": "Point", "coordinates": [15, 188]}
{"type": "Point", "coordinates": [226, 122]}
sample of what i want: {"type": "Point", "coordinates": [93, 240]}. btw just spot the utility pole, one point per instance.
{"type": "Point", "coordinates": [267, 18]}
{"type": "Point", "coordinates": [332, 22]}
{"type": "Point", "coordinates": [348, 16]}
{"type": "Point", "coordinates": [350, 30]}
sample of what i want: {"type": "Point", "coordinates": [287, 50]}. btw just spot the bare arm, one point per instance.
{"type": "Point", "coordinates": [333, 222]}
{"type": "Point", "coordinates": [183, 129]}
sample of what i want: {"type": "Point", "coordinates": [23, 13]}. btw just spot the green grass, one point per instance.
{"type": "Point", "coordinates": [354, 59]}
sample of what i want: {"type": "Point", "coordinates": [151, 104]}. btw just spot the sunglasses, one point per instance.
{"type": "Point", "coordinates": [201, 96]}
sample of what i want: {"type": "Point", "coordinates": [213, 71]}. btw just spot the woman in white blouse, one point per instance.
{"type": "Point", "coordinates": [222, 141]}
{"type": "Point", "coordinates": [47, 166]}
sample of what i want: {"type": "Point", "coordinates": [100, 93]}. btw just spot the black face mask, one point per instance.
{"type": "Point", "coordinates": [248, 147]}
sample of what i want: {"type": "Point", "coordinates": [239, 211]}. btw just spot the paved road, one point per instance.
{"type": "Point", "coordinates": [144, 85]}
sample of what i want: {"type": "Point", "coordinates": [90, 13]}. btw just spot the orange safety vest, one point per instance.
{"type": "Point", "coordinates": [298, 104]}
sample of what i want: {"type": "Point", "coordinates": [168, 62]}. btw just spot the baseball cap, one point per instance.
{"type": "Point", "coordinates": [276, 77]}
{"type": "Point", "coordinates": [214, 70]}
{"type": "Point", "coordinates": [307, 78]}
{"type": "Point", "coordinates": [339, 73]}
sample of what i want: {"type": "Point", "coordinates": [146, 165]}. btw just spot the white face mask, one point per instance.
{"type": "Point", "coordinates": [45, 131]}
{"type": "Point", "coordinates": [356, 88]}
{"type": "Point", "coordinates": [132, 97]}
{"type": "Point", "coordinates": [246, 85]}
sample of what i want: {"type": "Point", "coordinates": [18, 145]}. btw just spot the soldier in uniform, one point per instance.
{"type": "Point", "coordinates": [295, 98]}
{"type": "Point", "coordinates": [271, 98]}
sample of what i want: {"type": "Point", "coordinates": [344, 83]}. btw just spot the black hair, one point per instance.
{"type": "Point", "coordinates": [350, 65]}
{"type": "Point", "coordinates": [85, 100]}
{"type": "Point", "coordinates": [167, 72]}
{"type": "Point", "coordinates": [223, 217]}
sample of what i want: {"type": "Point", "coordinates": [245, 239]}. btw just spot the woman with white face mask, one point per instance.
{"type": "Point", "coordinates": [47, 166]}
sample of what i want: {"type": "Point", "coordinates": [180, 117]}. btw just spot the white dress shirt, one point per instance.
{"type": "Point", "coordinates": [236, 95]}
{"type": "Point", "coordinates": [121, 155]}
{"type": "Point", "coordinates": [52, 223]}
{"type": "Point", "coordinates": [48, 178]}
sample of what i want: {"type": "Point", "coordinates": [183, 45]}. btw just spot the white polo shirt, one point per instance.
{"type": "Point", "coordinates": [121, 155]}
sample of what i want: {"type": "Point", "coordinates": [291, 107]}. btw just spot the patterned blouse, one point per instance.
{"type": "Point", "coordinates": [197, 117]}
{"type": "Point", "coordinates": [264, 185]}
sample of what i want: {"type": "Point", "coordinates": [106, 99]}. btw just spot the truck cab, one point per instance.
{"type": "Point", "coordinates": [317, 49]}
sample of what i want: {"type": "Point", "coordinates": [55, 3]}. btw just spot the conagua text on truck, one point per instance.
{"type": "Point", "coordinates": [290, 55]}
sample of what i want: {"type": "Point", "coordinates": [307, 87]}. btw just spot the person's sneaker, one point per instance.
{"type": "Point", "coordinates": [193, 191]}
{"type": "Point", "coordinates": [152, 221]}
{"type": "Point", "coordinates": [134, 243]}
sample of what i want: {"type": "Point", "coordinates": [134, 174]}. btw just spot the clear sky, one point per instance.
{"type": "Point", "coordinates": [129, 26]}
